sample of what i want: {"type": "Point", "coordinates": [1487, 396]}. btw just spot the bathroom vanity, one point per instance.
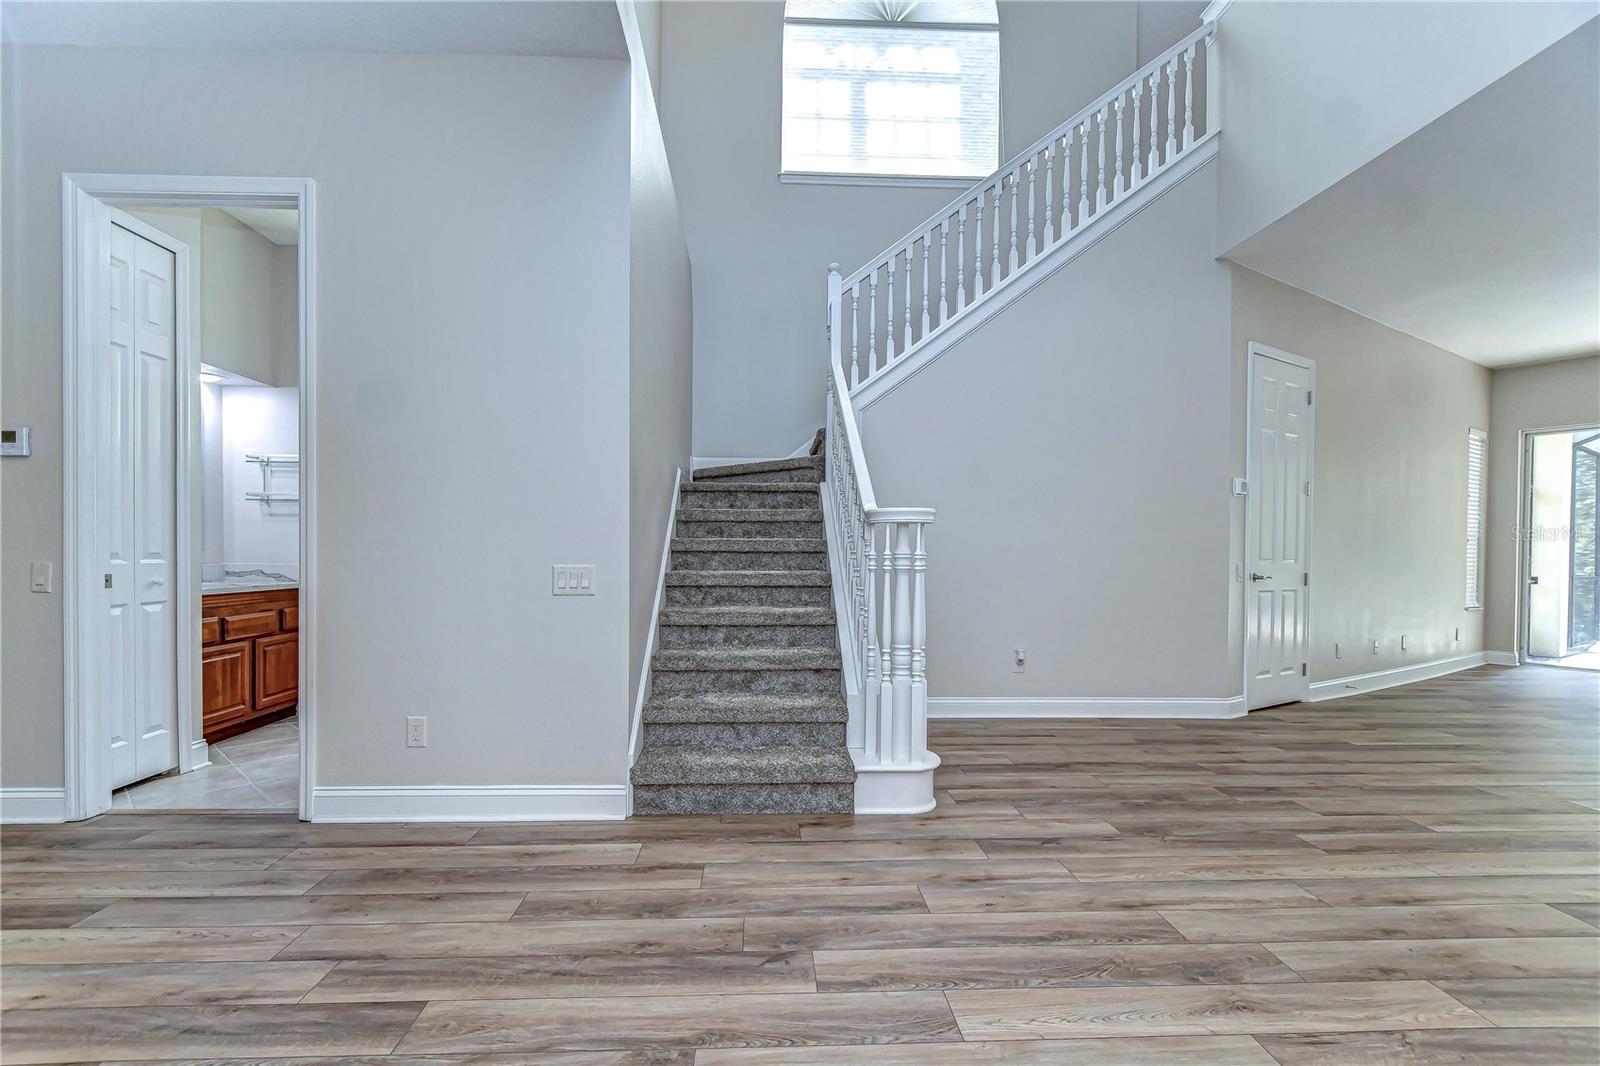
{"type": "Point", "coordinates": [250, 654]}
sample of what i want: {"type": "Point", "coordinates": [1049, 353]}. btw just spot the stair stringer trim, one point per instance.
{"type": "Point", "coordinates": [843, 613]}
{"type": "Point", "coordinates": [636, 730]}
{"type": "Point", "coordinates": [1033, 274]}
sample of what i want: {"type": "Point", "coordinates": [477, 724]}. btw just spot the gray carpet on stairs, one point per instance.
{"type": "Point", "coordinates": [746, 713]}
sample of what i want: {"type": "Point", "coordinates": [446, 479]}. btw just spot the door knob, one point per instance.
{"type": "Point", "coordinates": [158, 581]}
{"type": "Point", "coordinates": [1257, 577]}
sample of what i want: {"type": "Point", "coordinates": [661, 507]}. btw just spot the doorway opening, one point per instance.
{"type": "Point", "coordinates": [189, 357]}
{"type": "Point", "coordinates": [1560, 564]}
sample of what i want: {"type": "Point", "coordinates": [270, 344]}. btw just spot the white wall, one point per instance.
{"type": "Point", "coordinates": [248, 302]}
{"type": "Point", "coordinates": [1311, 91]}
{"type": "Point", "coordinates": [452, 474]}
{"type": "Point", "coordinates": [1557, 395]}
{"type": "Point", "coordinates": [1079, 456]}
{"type": "Point", "coordinates": [211, 547]}
{"type": "Point", "coordinates": [761, 248]}
{"type": "Point", "coordinates": [661, 355]}
{"type": "Point", "coordinates": [259, 422]}
{"type": "Point", "coordinates": [1388, 521]}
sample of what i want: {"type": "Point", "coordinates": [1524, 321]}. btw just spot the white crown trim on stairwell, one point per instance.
{"type": "Point", "coordinates": [24, 806]}
{"type": "Point", "coordinates": [1400, 675]}
{"type": "Point", "coordinates": [636, 731]}
{"type": "Point", "coordinates": [1083, 707]}
{"type": "Point", "coordinates": [471, 803]}
{"type": "Point", "coordinates": [1015, 286]}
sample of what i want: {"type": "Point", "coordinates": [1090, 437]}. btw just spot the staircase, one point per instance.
{"type": "Point", "coordinates": [746, 713]}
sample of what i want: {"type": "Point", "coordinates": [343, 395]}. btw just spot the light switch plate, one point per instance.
{"type": "Point", "coordinates": [567, 579]}
{"type": "Point", "coordinates": [42, 577]}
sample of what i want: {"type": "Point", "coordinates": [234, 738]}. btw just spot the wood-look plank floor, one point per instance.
{"type": "Point", "coordinates": [1411, 876]}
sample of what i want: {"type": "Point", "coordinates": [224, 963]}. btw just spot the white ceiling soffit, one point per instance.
{"type": "Point", "coordinates": [1480, 233]}
{"type": "Point", "coordinates": [530, 27]}
{"type": "Point", "coordinates": [280, 225]}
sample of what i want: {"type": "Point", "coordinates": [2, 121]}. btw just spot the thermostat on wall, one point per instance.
{"type": "Point", "coordinates": [14, 441]}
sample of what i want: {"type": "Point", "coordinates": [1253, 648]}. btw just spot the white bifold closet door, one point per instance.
{"type": "Point", "coordinates": [138, 512]}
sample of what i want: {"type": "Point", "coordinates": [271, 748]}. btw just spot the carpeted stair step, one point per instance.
{"type": "Point", "coordinates": [747, 627]}
{"type": "Point", "coordinates": [749, 494]}
{"type": "Point", "coordinates": [766, 780]}
{"type": "Point", "coordinates": [762, 671]}
{"type": "Point", "coordinates": [750, 522]}
{"type": "Point", "coordinates": [734, 720]}
{"type": "Point", "coordinates": [808, 468]}
{"type": "Point", "coordinates": [820, 798]}
{"type": "Point", "coordinates": [749, 553]}
{"type": "Point", "coordinates": [775, 588]}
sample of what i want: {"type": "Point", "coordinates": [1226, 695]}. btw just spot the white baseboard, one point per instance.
{"type": "Point", "coordinates": [24, 805]}
{"type": "Point", "coordinates": [470, 803]}
{"type": "Point", "coordinates": [700, 462]}
{"type": "Point", "coordinates": [1399, 675]}
{"type": "Point", "coordinates": [1084, 707]}
{"type": "Point", "coordinates": [1500, 658]}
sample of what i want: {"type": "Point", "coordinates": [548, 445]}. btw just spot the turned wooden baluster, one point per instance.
{"type": "Point", "coordinates": [944, 269]}
{"type": "Point", "coordinates": [1016, 190]}
{"type": "Point", "coordinates": [1049, 183]}
{"type": "Point", "coordinates": [1066, 183]}
{"type": "Point", "coordinates": [961, 257]}
{"type": "Point", "coordinates": [855, 332]}
{"type": "Point", "coordinates": [1188, 95]}
{"type": "Point", "coordinates": [1033, 234]}
{"type": "Point", "coordinates": [927, 239]}
{"type": "Point", "coordinates": [1083, 177]}
{"type": "Point", "coordinates": [1172, 110]}
{"type": "Point", "coordinates": [1100, 161]}
{"type": "Point", "coordinates": [888, 316]}
{"type": "Point", "coordinates": [872, 322]}
{"type": "Point", "coordinates": [1117, 184]}
{"type": "Point", "coordinates": [1133, 164]}
{"type": "Point", "coordinates": [906, 347]}
{"type": "Point", "coordinates": [977, 249]}
{"type": "Point", "coordinates": [994, 224]}
{"type": "Point", "coordinates": [1154, 158]}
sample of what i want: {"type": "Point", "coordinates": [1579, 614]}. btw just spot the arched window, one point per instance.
{"type": "Point", "coordinates": [890, 89]}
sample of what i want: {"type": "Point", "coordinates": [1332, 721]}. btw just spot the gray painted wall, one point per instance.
{"type": "Point", "coordinates": [1388, 515]}
{"type": "Point", "coordinates": [1311, 91]}
{"type": "Point", "coordinates": [442, 311]}
{"type": "Point", "coordinates": [761, 248]}
{"type": "Point", "coordinates": [1547, 396]}
{"type": "Point", "coordinates": [1079, 455]}
{"type": "Point", "coordinates": [661, 361]}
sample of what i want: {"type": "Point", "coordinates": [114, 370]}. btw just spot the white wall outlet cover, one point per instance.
{"type": "Point", "coordinates": [416, 732]}
{"type": "Point", "coordinates": [1241, 487]}
{"type": "Point", "coordinates": [567, 579]}
{"type": "Point", "coordinates": [1019, 661]}
{"type": "Point", "coordinates": [1374, 647]}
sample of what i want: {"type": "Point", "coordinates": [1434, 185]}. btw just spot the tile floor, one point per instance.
{"type": "Point", "coordinates": [258, 770]}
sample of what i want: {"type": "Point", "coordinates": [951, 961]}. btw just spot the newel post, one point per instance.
{"type": "Point", "coordinates": [903, 706]}
{"type": "Point", "coordinates": [835, 312]}
{"type": "Point", "coordinates": [1213, 101]}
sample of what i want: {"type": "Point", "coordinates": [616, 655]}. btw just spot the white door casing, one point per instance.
{"type": "Point", "coordinates": [1277, 567]}
{"type": "Point", "coordinates": [139, 695]}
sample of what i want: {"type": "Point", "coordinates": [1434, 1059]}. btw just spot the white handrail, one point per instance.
{"type": "Point", "coordinates": [1036, 200]}
{"type": "Point", "coordinates": [881, 567]}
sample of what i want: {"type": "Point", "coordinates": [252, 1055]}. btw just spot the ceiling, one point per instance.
{"type": "Point", "coordinates": [1480, 233]}
{"type": "Point", "coordinates": [280, 225]}
{"type": "Point", "coordinates": [545, 28]}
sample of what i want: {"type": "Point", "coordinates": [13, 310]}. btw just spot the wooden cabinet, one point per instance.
{"type": "Point", "coordinates": [250, 656]}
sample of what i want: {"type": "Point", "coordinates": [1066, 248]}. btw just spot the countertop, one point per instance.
{"type": "Point", "coordinates": [248, 581]}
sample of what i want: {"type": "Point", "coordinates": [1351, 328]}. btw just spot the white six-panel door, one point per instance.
{"type": "Point", "coordinates": [1277, 572]}
{"type": "Point", "coordinates": [138, 511]}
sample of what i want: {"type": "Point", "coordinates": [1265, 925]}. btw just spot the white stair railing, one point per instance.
{"type": "Point", "coordinates": [975, 245]}
{"type": "Point", "coordinates": [880, 566]}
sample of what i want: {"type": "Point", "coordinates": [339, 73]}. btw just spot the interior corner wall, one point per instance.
{"type": "Point", "coordinates": [447, 342]}
{"type": "Point", "coordinates": [1560, 395]}
{"type": "Point", "coordinates": [1388, 512]}
{"type": "Point", "coordinates": [1312, 91]}
{"type": "Point", "coordinates": [761, 248]}
{"type": "Point", "coordinates": [1078, 456]}
{"type": "Point", "coordinates": [661, 367]}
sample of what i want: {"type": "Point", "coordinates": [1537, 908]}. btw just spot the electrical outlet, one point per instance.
{"type": "Point", "coordinates": [1374, 647]}
{"type": "Point", "coordinates": [416, 732]}
{"type": "Point", "coordinates": [1019, 661]}
{"type": "Point", "coordinates": [570, 580]}
{"type": "Point", "coordinates": [1338, 650]}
